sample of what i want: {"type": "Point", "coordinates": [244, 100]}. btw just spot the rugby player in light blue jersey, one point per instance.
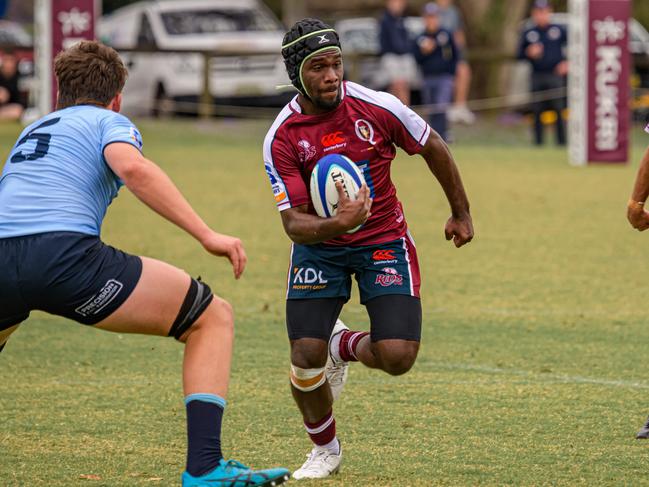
{"type": "Point", "coordinates": [55, 187]}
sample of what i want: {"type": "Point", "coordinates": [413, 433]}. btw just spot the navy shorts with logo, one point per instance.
{"type": "Point", "coordinates": [324, 271]}
{"type": "Point", "coordinates": [64, 273]}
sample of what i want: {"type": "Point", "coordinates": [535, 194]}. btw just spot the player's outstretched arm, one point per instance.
{"type": "Point", "coordinates": [304, 228]}
{"type": "Point", "coordinates": [153, 187]}
{"type": "Point", "coordinates": [459, 226]}
{"type": "Point", "coordinates": [636, 213]}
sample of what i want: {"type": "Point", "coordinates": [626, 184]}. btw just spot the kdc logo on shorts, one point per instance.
{"type": "Point", "coordinates": [308, 275]}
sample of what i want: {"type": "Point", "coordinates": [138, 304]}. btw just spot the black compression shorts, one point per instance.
{"type": "Point", "coordinates": [394, 316]}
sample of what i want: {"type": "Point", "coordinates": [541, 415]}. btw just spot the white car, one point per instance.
{"type": "Point", "coordinates": [174, 81]}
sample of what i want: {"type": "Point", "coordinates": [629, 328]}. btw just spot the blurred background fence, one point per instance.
{"type": "Point", "coordinates": [235, 72]}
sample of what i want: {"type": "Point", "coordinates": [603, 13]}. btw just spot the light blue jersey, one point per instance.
{"type": "Point", "coordinates": [56, 178]}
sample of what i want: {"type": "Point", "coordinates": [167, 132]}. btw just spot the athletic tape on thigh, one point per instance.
{"type": "Point", "coordinates": [199, 296]}
{"type": "Point", "coordinates": [307, 380]}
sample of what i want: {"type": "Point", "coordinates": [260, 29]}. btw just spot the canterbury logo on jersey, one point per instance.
{"type": "Point", "coordinates": [332, 139]}
{"type": "Point", "coordinates": [383, 255]}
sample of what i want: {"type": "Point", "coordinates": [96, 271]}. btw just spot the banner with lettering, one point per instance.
{"type": "Point", "coordinates": [598, 84]}
{"type": "Point", "coordinates": [59, 24]}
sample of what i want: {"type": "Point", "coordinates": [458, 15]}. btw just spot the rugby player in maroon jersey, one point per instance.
{"type": "Point", "coordinates": [328, 116]}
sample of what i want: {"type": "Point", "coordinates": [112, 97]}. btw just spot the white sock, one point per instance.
{"type": "Point", "coordinates": [333, 446]}
{"type": "Point", "coordinates": [334, 347]}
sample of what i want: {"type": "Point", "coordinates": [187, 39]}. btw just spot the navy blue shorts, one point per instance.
{"type": "Point", "coordinates": [324, 271]}
{"type": "Point", "coordinates": [63, 273]}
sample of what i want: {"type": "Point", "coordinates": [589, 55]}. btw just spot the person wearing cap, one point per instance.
{"type": "Point", "coordinates": [543, 45]}
{"type": "Point", "coordinates": [437, 57]}
{"type": "Point", "coordinates": [332, 116]}
{"type": "Point", "coordinates": [397, 63]}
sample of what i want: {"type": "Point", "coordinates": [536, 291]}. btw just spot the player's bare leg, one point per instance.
{"type": "Point", "coordinates": [152, 308]}
{"type": "Point", "coordinates": [311, 353]}
{"type": "Point", "coordinates": [394, 343]}
{"type": "Point", "coordinates": [396, 357]}
{"type": "Point", "coordinates": [313, 397]}
{"type": "Point", "coordinates": [158, 301]}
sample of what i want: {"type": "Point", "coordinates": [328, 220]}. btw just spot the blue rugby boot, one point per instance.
{"type": "Point", "coordinates": [231, 473]}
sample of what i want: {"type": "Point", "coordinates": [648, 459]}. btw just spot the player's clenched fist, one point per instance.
{"type": "Point", "coordinates": [638, 217]}
{"type": "Point", "coordinates": [226, 246]}
{"type": "Point", "coordinates": [460, 229]}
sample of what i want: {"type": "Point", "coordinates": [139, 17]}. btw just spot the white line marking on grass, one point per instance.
{"type": "Point", "coordinates": [537, 376]}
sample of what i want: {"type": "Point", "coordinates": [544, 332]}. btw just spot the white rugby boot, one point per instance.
{"type": "Point", "coordinates": [336, 369]}
{"type": "Point", "coordinates": [320, 463]}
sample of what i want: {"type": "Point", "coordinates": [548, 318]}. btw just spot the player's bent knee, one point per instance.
{"type": "Point", "coordinates": [220, 312]}
{"type": "Point", "coordinates": [398, 366]}
{"type": "Point", "coordinates": [199, 297]}
{"type": "Point", "coordinates": [307, 380]}
{"type": "Point", "coordinates": [309, 353]}
{"type": "Point", "coordinates": [218, 317]}
{"type": "Point", "coordinates": [397, 360]}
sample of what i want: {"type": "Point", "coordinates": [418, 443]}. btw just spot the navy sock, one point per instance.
{"type": "Point", "coordinates": [204, 416]}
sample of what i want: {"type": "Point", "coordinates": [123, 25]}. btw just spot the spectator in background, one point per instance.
{"type": "Point", "coordinates": [396, 53]}
{"type": "Point", "coordinates": [11, 104]}
{"type": "Point", "coordinates": [450, 19]}
{"type": "Point", "coordinates": [437, 57]}
{"type": "Point", "coordinates": [543, 45]}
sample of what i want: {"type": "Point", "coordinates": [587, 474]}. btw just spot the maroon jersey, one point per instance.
{"type": "Point", "coordinates": [366, 127]}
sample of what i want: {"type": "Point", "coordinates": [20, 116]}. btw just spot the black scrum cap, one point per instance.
{"type": "Point", "coordinates": [305, 39]}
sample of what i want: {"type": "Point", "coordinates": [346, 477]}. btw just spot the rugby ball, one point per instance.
{"type": "Point", "coordinates": [328, 170]}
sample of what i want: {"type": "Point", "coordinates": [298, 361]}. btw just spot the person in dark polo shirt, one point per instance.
{"type": "Point", "coordinates": [543, 45]}
{"type": "Point", "coordinates": [437, 56]}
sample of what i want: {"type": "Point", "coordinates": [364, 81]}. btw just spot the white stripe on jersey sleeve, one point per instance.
{"type": "Point", "coordinates": [646, 129]}
{"type": "Point", "coordinates": [415, 125]}
{"type": "Point", "coordinates": [278, 186]}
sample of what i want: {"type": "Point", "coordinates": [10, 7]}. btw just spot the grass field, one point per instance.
{"type": "Point", "coordinates": [531, 367]}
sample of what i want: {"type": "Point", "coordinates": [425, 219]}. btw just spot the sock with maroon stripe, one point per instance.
{"type": "Point", "coordinates": [323, 433]}
{"type": "Point", "coordinates": [349, 340]}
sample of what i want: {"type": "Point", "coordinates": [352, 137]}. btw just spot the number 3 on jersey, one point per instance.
{"type": "Point", "coordinates": [42, 143]}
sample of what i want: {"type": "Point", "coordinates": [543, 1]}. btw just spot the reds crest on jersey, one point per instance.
{"type": "Point", "coordinates": [306, 150]}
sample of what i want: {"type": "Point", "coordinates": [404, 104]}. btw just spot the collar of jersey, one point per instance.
{"type": "Point", "coordinates": [295, 106]}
